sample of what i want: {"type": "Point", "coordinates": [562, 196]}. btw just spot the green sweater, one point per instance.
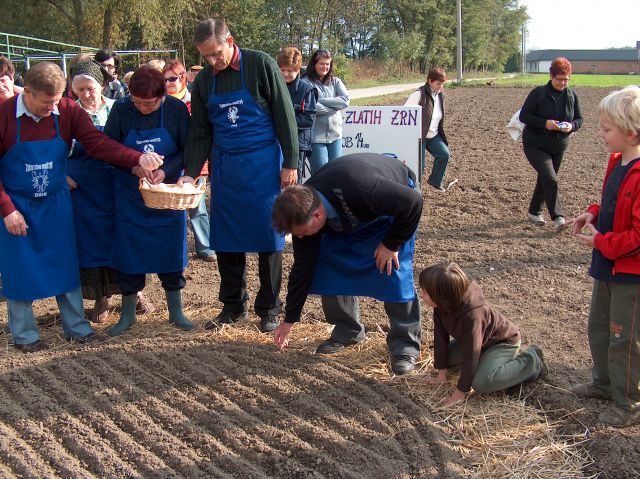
{"type": "Point", "coordinates": [265, 83]}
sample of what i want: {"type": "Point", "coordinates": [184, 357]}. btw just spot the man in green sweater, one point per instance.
{"type": "Point", "coordinates": [243, 120]}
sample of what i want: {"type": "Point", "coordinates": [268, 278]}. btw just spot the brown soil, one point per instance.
{"type": "Point", "coordinates": [161, 403]}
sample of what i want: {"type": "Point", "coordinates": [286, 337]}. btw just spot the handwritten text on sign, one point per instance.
{"type": "Point", "coordinates": [384, 129]}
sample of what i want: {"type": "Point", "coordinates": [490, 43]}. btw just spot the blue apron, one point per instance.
{"type": "Point", "coordinates": [245, 173]}
{"type": "Point", "coordinates": [93, 207]}
{"type": "Point", "coordinates": [346, 265]}
{"type": "Point", "coordinates": [45, 262]}
{"type": "Point", "coordinates": [147, 240]}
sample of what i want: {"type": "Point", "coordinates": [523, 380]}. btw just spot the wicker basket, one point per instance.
{"type": "Point", "coordinates": [168, 200]}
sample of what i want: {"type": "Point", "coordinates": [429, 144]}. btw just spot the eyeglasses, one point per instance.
{"type": "Point", "coordinates": [108, 67]}
{"type": "Point", "coordinates": [172, 79]}
{"type": "Point", "coordinates": [562, 80]}
{"type": "Point", "coordinates": [145, 103]}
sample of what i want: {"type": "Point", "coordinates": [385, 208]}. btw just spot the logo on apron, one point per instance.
{"type": "Point", "coordinates": [232, 115]}
{"type": "Point", "coordinates": [148, 148]}
{"type": "Point", "coordinates": [39, 177]}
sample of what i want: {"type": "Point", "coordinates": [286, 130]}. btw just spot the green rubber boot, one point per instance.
{"type": "Point", "coordinates": [127, 315]}
{"type": "Point", "coordinates": [176, 316]}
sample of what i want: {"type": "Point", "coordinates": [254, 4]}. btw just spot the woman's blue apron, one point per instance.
{"type": "Point", "coordinates": [245, 173]}
{"type": "Point", "coordinates": [43, 263]}
{"type": "Point", "coordinates": [347, 266]}
{"type": "Point", "coordinates": [147, 240]}
{"type": "Point", "coordinates": [93, 207]}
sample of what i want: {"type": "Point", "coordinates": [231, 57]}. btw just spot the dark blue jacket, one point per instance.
{"type": "Point", "coordinates": [304, 97]}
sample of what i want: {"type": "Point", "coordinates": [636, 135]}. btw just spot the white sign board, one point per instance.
{"type": "Point", "coordinates": [395, 130]}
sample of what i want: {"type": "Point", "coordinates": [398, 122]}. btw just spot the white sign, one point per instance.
{"type": "Point", "coordinates": [394, 130]}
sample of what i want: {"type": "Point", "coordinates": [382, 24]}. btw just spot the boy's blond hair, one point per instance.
{"type": "Point", "coordinates": [622, 107]}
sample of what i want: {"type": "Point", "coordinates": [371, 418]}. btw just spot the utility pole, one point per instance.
{"type": "Point", "coordinates": [459, 39]}
{"type": "Point", "coordinates": [524, 48]}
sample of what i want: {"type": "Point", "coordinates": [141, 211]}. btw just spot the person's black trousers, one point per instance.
{"type": "Point", "coordinates": [132, 283]}
{"type": "Point", "coordinates": [233, 282]}
{"type": "Point", "coordinates": [546, 163]}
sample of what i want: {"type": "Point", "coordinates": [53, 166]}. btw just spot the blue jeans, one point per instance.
{"type": "Point", "coordinates": [440, 152]}
{"type": "Point", "coordinates": [24, 329]}
{"type": "Point", "coordinates": [199, 218]}
{"type": "Point", "coordinates": [322, 153]}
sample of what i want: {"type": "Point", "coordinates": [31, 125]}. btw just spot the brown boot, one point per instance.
{"type": "Point", "coordinates": [143, 305]}
{"type": "Point", "coordinates": [100, 310]}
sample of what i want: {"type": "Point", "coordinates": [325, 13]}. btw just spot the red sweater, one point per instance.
{"type": "Point", "coordinates": [74, 122]}
{"type": "Point", "coordinates": [622, 245]}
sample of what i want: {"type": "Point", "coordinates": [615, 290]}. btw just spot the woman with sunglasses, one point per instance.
{"type": "Point", "coordinates": [551, 113]}
{"type": "Point", "coordinates": [332, 97]}
{"type": "Point", "coordinates": [149, 240]}
{"type": "Point", "coordinates": [175, 79]}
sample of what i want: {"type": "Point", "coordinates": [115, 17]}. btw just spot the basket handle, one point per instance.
{"type": "Point", "coordinates": [203, 180]}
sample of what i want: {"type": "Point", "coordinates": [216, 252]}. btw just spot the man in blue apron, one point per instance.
{"type": "Point", "coordinates": [243, 120]}
{"type": "Point", "coordinates": [354, 224]}
{"type": "Point", "coordinates": [38, 256]}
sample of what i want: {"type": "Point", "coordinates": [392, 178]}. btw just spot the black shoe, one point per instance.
{"type": "Point", "coordinates": [89, 338]}
{"type": "Point", "coordinates": [268, 323]}
{"type": "Point", "coordinates": [32, 347]}
{"type": "Point", "coordinates": [403, 364]}
{"type": "Point", "coordinates": [438, 188]}
{"type": "Point", "coordinates": [225, 317]}
{"type": "Point", "coordinates": [331, 346]}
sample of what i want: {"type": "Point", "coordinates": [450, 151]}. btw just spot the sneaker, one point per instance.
{"type": "Point", "coordinates": [268, 323]}
{"type": "Point", "coordinates": [544, 370]}
{"type": "Point", "coordinates": [590, 390]}
{"type": "Point", "coordinates": [32, 347]}
{"type": "Point", "coordinates": [225, 317]}
{"type": "Point", "coordinates": [403, 364]}
{"type": "Point", "coordinates": [143, 305]}
{"type": "Point", "coordinates": [559, 224]}
{"type": "Point", "coordinates": [537, 220]}
{"type": "Point", "coordinates": [331, 346]}
{"type": "Point", "coordinates": [209, 258]}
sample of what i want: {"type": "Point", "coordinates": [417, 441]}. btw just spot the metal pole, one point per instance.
{"type": "Point", "coordinates": [524, 48]}
{"type": "Point", "coordinates": [459, 39]}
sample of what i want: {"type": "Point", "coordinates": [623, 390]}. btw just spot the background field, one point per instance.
{"type": "Point", "coordinates": [162, 403]}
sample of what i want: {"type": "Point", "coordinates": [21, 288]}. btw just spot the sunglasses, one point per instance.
{"type": "Point", "coordinates": [172, 79]}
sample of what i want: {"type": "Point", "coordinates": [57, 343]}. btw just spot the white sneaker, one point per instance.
{"type": "Point", "coordinates": [559, 224]}
{"type": "Point", "coordinates": [537, 220]}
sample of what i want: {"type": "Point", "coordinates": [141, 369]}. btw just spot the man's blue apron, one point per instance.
{"type": "Point", "coordinates": [347, 266]}
{"type": "Point", "coordinates": [245, 173]}
{"type": "Point", "coordinates": [93, 207]}
{"type": "Point", "coordinates": [147, 240]}
{"type": "Point", "coordinates": [45, 262]}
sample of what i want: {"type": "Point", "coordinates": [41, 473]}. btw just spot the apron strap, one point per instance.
{"type": "Point", "coordinates": [213, 82]}
{"type": "Point", "coordinates": [162, 113]}
{"type": "Point", "coordinates": [19, 127]}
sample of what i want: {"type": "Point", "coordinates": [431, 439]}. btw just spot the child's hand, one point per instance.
{"type": "Point", "coordinates": [588, 237]}
{"type": "Point", "coordinates": [580, 222]}
{"type": "Point", "coordinates": [456, 397]}
{"type": "Point", "coordinates": [439, 379]}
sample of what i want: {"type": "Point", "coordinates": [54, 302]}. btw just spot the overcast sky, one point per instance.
{"type": "Point", "coordinates": [582, 24]}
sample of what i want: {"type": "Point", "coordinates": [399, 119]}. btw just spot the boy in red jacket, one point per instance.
{"type": "Point", "coordinates": [485, 343]}
{"type": "Point", "coordinates": [612, 229]}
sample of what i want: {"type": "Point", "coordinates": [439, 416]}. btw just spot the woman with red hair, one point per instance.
{"type": "Point", "coordinates": [551, 113]}
{"type": "Point", "coordinates": [7, 73]}
{"type": "Point", "coordinates": [149, 240]}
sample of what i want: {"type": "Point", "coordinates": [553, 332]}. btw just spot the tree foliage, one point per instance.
{"type": "Point", "coordinates": [418, 33]}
